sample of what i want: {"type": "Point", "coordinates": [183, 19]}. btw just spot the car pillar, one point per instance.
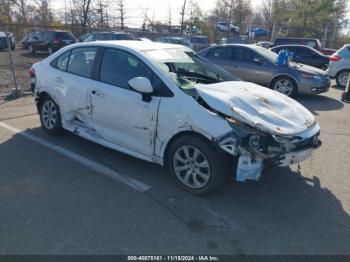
{"type": "Point", "coordinates": [346, 95]}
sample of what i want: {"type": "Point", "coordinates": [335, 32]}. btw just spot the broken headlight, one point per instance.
{"type": "Point", "coordinates": [257, 143]}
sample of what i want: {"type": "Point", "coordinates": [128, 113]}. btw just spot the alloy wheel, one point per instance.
{"type": "Point", "coordinates": [191, 167]}
{"type": "Point", "coordinates": [284, 86]}
{"type": "Point", "coordinates": [49, 114]}
{"type": "Point", "coordinates": [343, 78]}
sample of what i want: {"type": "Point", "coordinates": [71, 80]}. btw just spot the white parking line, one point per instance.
{"type": "Point", "coordinates": [128, 181]}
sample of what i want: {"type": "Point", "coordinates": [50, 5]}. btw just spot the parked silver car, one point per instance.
{"type": "Point", "coordinates": [258, 65]}
{"type": "Point", "coordinates": [339, 67]}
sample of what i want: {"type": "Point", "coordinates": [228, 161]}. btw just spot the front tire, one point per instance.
{"type": "Point", "coordinates": [342, 78]}
{"type": "Point", "coordinates": [285, 85]}
{"type": "Point", "coordinates": [31, 50]}
{"type": "Point", "coordinates": [50, 50]}
{"type": "Point", "coordinates": [196, 166]}
{"type": "Point", "coordinates": [50, 116]}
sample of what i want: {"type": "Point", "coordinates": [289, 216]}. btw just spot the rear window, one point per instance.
{"type": "Point", "coordinates": [122, 37]}
{"type": "Point", "coordinates": [64, 35]}
{"type": "Point", "coordinates": [199, 40]}
{"type": "Point", "coordinates": [314, 43]}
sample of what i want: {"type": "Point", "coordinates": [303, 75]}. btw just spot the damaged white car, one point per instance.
{"type": "Point", "coordinates": [162, 103]}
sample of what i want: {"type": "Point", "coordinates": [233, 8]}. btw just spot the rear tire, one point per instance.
{"type": "Point", "coordinates": [285, 85]}
{"type": "Point", "coordinates": [342, 78]}
{"type": "Point", "coordinates": [324, 67]}
{"type": "Point", "coordinates": [50, 116]}
{"type": "Point", "coordinates": [197, 167]}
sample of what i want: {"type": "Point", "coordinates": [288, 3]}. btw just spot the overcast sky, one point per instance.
{"type": "Point", "coordinates": [159, 8]}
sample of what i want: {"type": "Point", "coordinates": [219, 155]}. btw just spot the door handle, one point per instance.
{"type": "Point", "coordinates": [97, 93]}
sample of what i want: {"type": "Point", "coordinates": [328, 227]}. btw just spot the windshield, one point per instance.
{"type": "Point", "coordinates": [267, 54]}
{"type": "Point", "coordinates": [186, 69]}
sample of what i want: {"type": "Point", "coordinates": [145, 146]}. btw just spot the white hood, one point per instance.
{"type": "Point", "coordinates": [258, 106]}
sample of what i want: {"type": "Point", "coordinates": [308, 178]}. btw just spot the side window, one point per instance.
{"type": "Point", "coordinates": [118, 67]}
{"type": "Point", "coordinates": [81, 61]}
{"type": "Point", "coordinates": [61, 62]}
{"type": "Point", "coordinates": [89, 38]}
{"type": "Point", "coordinates": [220, 53]}
{"type": "Point", "coordinates": [243, 55]}
{"type": "Point", "coordinates": [312, 44]}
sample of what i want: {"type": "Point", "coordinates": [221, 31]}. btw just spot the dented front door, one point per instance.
{"type": "Point", "coordinates": [120, 116]}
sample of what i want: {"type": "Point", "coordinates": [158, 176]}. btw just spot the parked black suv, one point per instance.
{"type": "Point", "coordinates": [50, 41]}
{"type": "Point", "coordinates": [105, 36]}
{"type": "Point", "coordinates": [305, 55]}
{"type": "Point", "coordinates": [26, 40]}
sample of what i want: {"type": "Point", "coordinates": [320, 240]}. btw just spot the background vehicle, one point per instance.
{"type": "Point", "coordinates": [28, 39]}
{"type": "Point", "coordinates": [50, 41]}
{"type": "Point", "coordinates": [264, 44]}
{"type": "Point", "coordinates": [199, 42]}
{"type": "Point", "coordinates": [305, 55]}
{"type": "Point", "coordinates": [103, 36]}
{"type": "Point", "coordinates": [312, 42]}
{"type": "Point", "coordinates": [260, 32]}
{"type": "Point", "coordinates": [3, 41]}
{"type": "Point", "coordinates": [178, 113]}
{"type": "Point", "coordinates": [339, 67]}
{"type": "Point", "coordinates": [175, 40]}
{"type": "Point", "coordinates": [259, 65]}
{"type": "Point", "coordinates": [226, 27]}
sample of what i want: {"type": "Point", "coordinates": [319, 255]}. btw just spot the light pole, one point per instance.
{"type": "Point", "coordinates": [346, 95]}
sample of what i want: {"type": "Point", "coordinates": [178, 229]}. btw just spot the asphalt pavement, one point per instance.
{"type": "Point", "coordinates": [66, 195]}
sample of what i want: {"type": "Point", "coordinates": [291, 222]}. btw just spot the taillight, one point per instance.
{"type": "Point", "coordinates": [334, 58]}
{"type": "Point", "coordinates": [56, 41]}
{"type": "Point", "coordinates": [31, 72]}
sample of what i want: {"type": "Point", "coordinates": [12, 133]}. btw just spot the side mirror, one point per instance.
{"type": "Point", "coordinates": [258, 60]}
{"type": "Point", "coordinates": [143, 86]}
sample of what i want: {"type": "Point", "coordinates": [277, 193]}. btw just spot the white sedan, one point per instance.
{"type": "Point", "coordinates": [162, 103]}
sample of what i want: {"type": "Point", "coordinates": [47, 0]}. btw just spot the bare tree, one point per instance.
{"type": "Point", "coordinates": [22, 10]}
{"type": "Point", "coordinates": [83, 11]}
{"type": "Point", "coordinates": [121, 9]}
{"type": "Point", "coordinates": [43, 12]}
{"type": "Point", "coordinates": [183, 9]}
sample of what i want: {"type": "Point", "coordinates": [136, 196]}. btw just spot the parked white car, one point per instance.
{"type": "Point", "coordinates": [227, 27]}
{"type": "Point", "coordinates": [162, 103]}
{"type": "Point", "coordinates": [339, 67]}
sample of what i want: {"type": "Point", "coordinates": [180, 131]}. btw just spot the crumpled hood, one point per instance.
{"type": "Point", "coordinates": [257, 106]}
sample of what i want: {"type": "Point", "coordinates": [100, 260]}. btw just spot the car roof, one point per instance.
{"type": "Point", "coordinates": [294, 45]}
{"type": "Point", "coordinates": [199, 36]}
{"type": "Point", "coordinates": [112, 32]}
{"type": "Point", "coordinates": [305, 38]}
{"type": "Point", "coordinates": [132, 44]}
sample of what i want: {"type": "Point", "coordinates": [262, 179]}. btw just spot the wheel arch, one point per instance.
{"type": "Point", "coordinates": [177, 136]}
{"type": "Point", "coordinates": [40, 98]}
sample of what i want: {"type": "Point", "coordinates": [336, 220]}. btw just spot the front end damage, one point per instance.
{"type": "Point", "coordinates": [255, 149]}
{"type": "Point", "coordinates": [268, 128]}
